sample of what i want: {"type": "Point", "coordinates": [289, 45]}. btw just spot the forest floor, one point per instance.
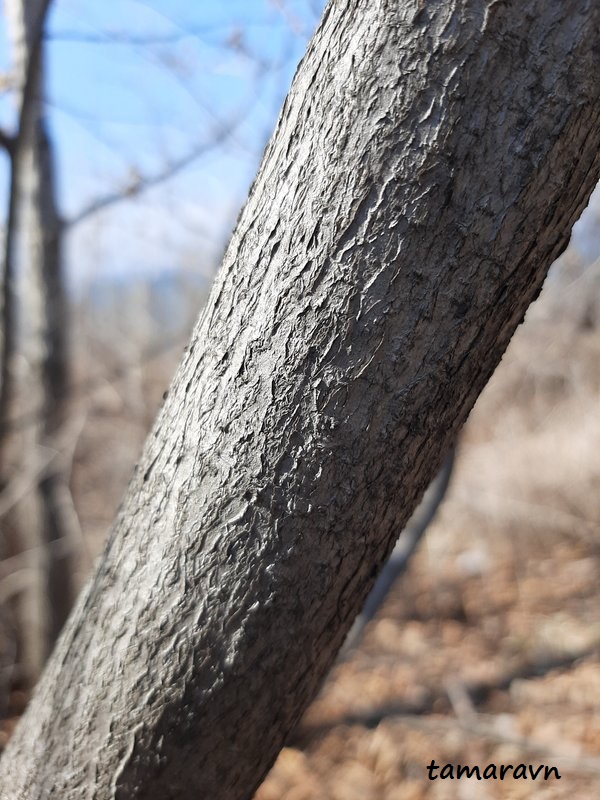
{"type": "Point", "coordinates": [488, 650]}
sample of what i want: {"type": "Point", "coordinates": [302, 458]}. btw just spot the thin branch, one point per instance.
{"type": "Point", "coordinates": [486, 726]}
{"type": "Point", "coordinates": [140, 184]}
{"type": "Point", "coordinates": [230, 126]}
{"type": "Point", "coordinates": [89, 386]}
{"type": "Point", "coordinates": [17, 573]}
{"type": "Point", "coordinates": [437, 701]}
{"type": "Point", "coordinates": [292, 20]}
{"type": "Point", "coordinates": [144, 39]}
{"type": "Point", "coordinates": [127, 39]}
{"type": "Point", "coordinates": [513, 510]}
{"type": "Point", "coordinates": [24, 483]}
{"type": "Point", "coordinates": [63, 447]}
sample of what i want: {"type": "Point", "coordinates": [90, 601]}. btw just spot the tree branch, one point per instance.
{"type": "Point", "coordinates": [142, 183]}
{"type": "Point", "coordinates": [139, 184]}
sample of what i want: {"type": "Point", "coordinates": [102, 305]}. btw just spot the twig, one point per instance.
{"type": "Point", "coordinates": [89, 386]}
{"type": "Point", "coordinates": [20, 486]}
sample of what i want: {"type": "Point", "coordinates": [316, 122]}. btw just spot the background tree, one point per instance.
{"type": "Point", "coordinates": [425, 171]}
{"type": "Point", "coordinates": [36, 323]}
{"type": "Point", "coordinates": [34, 233]}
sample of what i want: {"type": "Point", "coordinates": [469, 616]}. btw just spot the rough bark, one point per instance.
{"type": "Point", "coordinates": [426, 170]}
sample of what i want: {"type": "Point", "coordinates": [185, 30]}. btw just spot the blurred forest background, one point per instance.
{"type": "Point", "coordinates": [131, 132]}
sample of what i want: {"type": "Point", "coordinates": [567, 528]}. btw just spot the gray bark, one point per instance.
{"type": "Point", "coordinates": [426, 169]}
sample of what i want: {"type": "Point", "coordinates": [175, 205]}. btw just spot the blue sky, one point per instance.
{"type": "Point", "coordinates": [134, 86]}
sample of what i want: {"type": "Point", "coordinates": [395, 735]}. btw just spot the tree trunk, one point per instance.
{"type": "Point", "coordinates": [425, 171]}
{"type": "Point", "coordinates": [43, 521]}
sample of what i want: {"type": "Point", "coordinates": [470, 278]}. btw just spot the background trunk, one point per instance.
{"type": "Point", "coordinates": [43, 524]}
{"type": "Point", "coordinates": [44, 516]}
{"type": "Point", "coordinates": [426, 170]}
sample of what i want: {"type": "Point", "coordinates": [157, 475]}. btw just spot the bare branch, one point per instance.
{"type": "Point", "coordinates": [18, 572]}
{"type": "Point", "coordinates": [89, 387]}
{"type": "Point", "coordinates": [119, 38]}
{"type": "Point", "coordinates": [140, 184]}
{"type": "Point", "coordinates": [126, 38]}
{"type": "Point", "coordinates": [224, 129]}
{"type": "Point", "coordinates": [472, 697]}
{"type": "Point", "coordinates": [24, 482]}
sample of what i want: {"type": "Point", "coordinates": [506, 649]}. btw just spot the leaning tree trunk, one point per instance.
{"type": "Point", "coordinates": [44, 521]}
{"type": "Point", "coordinates": [425, 171]}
